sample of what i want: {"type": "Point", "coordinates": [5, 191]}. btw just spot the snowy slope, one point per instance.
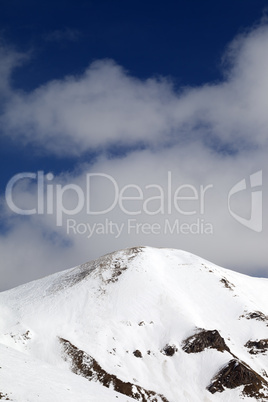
{"type": "Point", "coordinates": [138, 322]}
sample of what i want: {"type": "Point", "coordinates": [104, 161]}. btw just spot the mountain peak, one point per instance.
{"type": "Point", "coordinates": [150, 324]}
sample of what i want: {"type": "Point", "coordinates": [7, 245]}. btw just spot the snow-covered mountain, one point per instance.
{"type": "Point", "coordinates": [140, 324]}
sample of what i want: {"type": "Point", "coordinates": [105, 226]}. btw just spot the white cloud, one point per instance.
{"type": "Point", "coordinates": [106, 105]}
{"type": "Point", "coordinates": [101, 107]}
{"type": "Point", "coordinates": [188, 133]}
{"type": "Point", "coordinates": [35, 246]}
{"type": "Point", "coordinates": [9, 60]}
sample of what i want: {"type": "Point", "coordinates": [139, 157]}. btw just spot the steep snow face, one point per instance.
{"type": "Point", "coordinates": [126, 318]}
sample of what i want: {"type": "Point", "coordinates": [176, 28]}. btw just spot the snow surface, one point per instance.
{"type": "Point", "coordinates": [135, 299]}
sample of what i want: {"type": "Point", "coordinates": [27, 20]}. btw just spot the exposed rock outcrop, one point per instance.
{"type": "Point", "coordinates": [137, 353]}
{"type": "Point", "coordinates": [4, 397]}
{"type": "Point", "coordinates": [205, 339]}
{"type": "Point", "coordinates": [169, 350]}
{"type": "Point", "coordinates": [256, 347]}
{"type": "Point", "coordinates": [237, 373]}
{"type": "Point", "coordinates": [255, 315]}
{"type": "Point", "coordinates": [86, 366]}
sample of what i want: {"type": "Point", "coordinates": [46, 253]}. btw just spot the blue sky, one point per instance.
{"type": "Point", "coordinates": [183, 41]}
{"type": "Point", "coordinates": [133, 90]}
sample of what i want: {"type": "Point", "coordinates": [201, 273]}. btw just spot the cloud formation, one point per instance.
{"type": "Point", "coordinates": [106, 106]}
{"type": "Point", "coordinates": [34, 246]}
{"type": "Point", "coordinates": [10, 59]}
{"type": "Point", "coordinates": [215, 135]}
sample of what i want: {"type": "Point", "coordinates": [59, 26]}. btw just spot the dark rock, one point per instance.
{"type": "Point", "coordinates": [169, 350]}
{"type": "Point", "coordinates": [255, 347]}
{"type": "Point", "coordinates": [255, 315]}
{"type": "Point", "coordinates": [137, 353]}
{"type": "Point", "coordinates": [4, 397]}
{"type": "Point", "coordinates": [118, 269]}
{"type": "Point", "coordinates": [227, 284]}
{"type": "Point", "coordinates": [27, 335]}
{"type": "Point", "coordinates": [204, 340]}
{"type": "Point", "coordinates": [236, 374]}
{"type": "Point", "coordinates": [86, 366]}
